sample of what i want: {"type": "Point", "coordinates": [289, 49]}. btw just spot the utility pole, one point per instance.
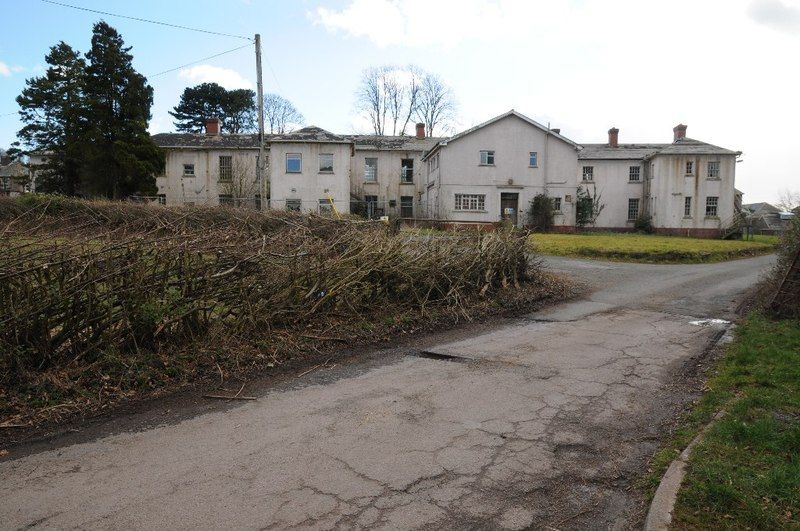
{"type": "Point", "coordinates": [260, 166]}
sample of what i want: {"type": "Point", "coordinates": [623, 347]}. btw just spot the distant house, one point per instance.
{"type": "Point", "coordinates": [14, 177]}
{"type": "Point", "coordinates": [766, 218]}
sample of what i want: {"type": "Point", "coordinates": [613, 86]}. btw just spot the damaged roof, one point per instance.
{"type": "Point", "coordinates": [394, 143]}
{"type": "Point", "coordinates": [13, 169]}
{"type": "Point", "coordinates": [311, 134]}
{"type": "Point", "coordinates": [202, 141]}
{"type": "Point", "coordinates": [684, 146]}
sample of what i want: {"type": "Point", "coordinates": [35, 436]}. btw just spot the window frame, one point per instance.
{"type": "Point", "coordinates": [461, 199]}
{"type": "Point", "coordinates": [405, 178]}
{"type": "Point", "coordinates": [637, 173]}
{"type": "Point", "coordinates": [225, 199]}
{"type": "Point", "coordinates": [409, 204]}
{"type": "Point", "coordinates": [321, 170]}
{"type": "Point", "coordinates": [689, 167]}
{"type": "Point", "coordinates": [633, 201]}
{"type": "Point", "coordinates": [290, 205]}
{"type": "Point", "coordinates": [326, 205]}
{"type": "Point", "coordinates": [687, 206]}
{"type": "Point", "coordinates": [715, 173]}
{"type": "Point", "coordinates": [712, 202]}
{"type": "Point", "coordinates": [590, 173]}
{"type": "Point", "coordinates": [489, 154]}
{"type": "Point", "coordinates": [291, 156]}
{"type": "Point", "coordinates": [533, 159]}
{"type": "Point", "coordinates": [224, 169]}
{"type": "Point", "coordinates": [187, 174]}
{"type": "Point", "coordinates": [557, 204]}
{"type": "Point", "coordinates": [367, 178]}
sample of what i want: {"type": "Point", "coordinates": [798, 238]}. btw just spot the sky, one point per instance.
{"type": "Point", "coordinates": [726, 68]}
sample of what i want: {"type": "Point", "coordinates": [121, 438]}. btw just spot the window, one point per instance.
{"type": "Point", "coordinates": [711, 206]}
{"type": "Point", "coordinates": [633, 209]}
{"type": "Point", "coordinates": [294, 163]}
{"type": "Point", "coordinates": [557, 204]}
{"type": "Point", "coordinates": [326, 162]}
{"type": "Point", "coordinates": [188, 170]}
{"type": "Point", "coordinates": [533, 160]}
{"type": "Point", "coordinates": [487, 158]}
{"type": "Point", "coordinates": [588, 173]}
{"type": "Point", "coordinates": [6, 183]}
{"type": "Point", "coordinates": [293, 205]}
{"type": "Point", "coordinates": [370, 169]}
{"type": "Point", "coordinates": [225, 168]}
{"type": "Point", "coordinates": [689, 167]}
{"type": "Point", "coordinates": [634, 173]}
{"type": "Point", "coordinates": [162, 199]}
{"type": "Point", "coordinates": [470, 202]}
{"type": "Point", "coordinates": [406, 206]}
{"type": "Point", "coordinates": [687, 207]}
{"type": "Point", "coordinates": [325, 206]}
{"type": "Point", "coordinates": [713, 170]}
{"type": "Point", "coordinates": [407, 171]}
{"type": "Point", "coordinates": [226, 199]}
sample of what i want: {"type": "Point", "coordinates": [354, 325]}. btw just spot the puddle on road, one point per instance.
{"type": "Point", "coordinates": [709, 322]}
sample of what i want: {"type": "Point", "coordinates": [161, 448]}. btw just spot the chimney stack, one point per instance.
{"type": "Point", "coordinates": [679, 132]}
{"type": "Point", "coordinates": [613, 137]}
{"type": "Point", "coordinates": [556, 130]}
{"type": "Point", "coordinates": [420, 131]}
{"type": "Point", "coordinates": [212, 126]}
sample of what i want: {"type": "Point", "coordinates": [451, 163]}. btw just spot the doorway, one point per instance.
{"type": "Point", "coordinates": [509, 207]}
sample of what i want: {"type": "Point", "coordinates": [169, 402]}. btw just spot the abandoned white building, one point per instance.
{"type": "Point", "coordinates": [479, 176]}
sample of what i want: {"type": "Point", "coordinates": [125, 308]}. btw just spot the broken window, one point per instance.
{"type": "Point", "coordinates": [370, 169]}
{"type": "Point", "coordinates": [711, 206]}
{"type": "Point", "coordinates": [293, 205]}
{"type": "Point", "coordinates": [407, 171]}
{"type": "Point", "coordinates": [713, 170]}
{"type": "Point", "coordinates": [188, 170]}
{"type": "Point", "coordinates": [326, 162]}
{"type": "Point", "coordinates": [326, 206]}
{"type": "Point", "coordinates": [689, 167]}
{"type": "Point", "coordinates": [225, 168]}
{"type": "Point", "coordinates": [588, 173]}
{"type": "Point", "coordinates": [406, 206]}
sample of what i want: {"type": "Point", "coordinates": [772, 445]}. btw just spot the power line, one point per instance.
{"type": "Point", "coordinates": [148, 20]}
{"type": "Point", "coordinates": [199, 61]}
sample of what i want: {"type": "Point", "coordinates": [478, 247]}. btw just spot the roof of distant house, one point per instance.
{"type": "Point", "coordinates": [13, 169]}
{"type": "Point", "coordinates": [684, 146]}
{"type": "Point", "coordinates": [311, 134]}
{"type": "Point", "coordinates": [202, 141]}
{"type": "Point", "coordinates": [761, 208]}
{"type": "Point", "coordinates": [394, 143]}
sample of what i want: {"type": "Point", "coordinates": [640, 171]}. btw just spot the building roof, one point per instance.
{"type": "Point", "coordinates": [512, 112]}
{"type": "Point", "coordinates": [761, 208]}
{"type": "Point", "coordinates": [394, 143]}
{"type": "Point", "coordinates": [311, 134]}
{"type": "Point", "coordinates": [202, 141]}
{"type": "Point", "coordinates": [684, 146]}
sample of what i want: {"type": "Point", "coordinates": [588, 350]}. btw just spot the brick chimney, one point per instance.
{"type": "Point", "coordinates": [420, 131]}
{"type": "Point", "coordinates": [679, 132]}
{"type": "Point", "coordinates": [613, 137]}
{"type": "Point", "coordinates": [212, 126]}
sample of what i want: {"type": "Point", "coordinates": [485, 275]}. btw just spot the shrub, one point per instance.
{"type": "Point", "coordinates": [540, 213]}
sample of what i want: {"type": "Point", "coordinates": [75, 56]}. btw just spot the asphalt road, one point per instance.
{"type": "Point", "coordinates": [546, 420]}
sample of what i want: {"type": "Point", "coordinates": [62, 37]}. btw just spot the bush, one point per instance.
{"type": "Point", "coordinates": [785, 304]}
{"type": "Point", "coordinates": [540, 213]}
{"type": "Point", "coordinates": [644, 223]}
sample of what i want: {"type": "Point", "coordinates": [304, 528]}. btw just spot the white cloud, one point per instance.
{"type": "Point", "coordinates": [7, 71]}
{"type": "Point", "coordinates": [777, 15]}
{"type": "Point", "coordinates": [230, 79]}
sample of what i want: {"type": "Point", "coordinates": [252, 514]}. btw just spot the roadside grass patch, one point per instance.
{"type": "Point", "coordinates": [649, 248]}
{"type": "Point", "coordinates": [745, 474]}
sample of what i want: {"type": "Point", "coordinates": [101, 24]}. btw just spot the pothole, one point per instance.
{"type": "Point", "coordinates": [440, 357]}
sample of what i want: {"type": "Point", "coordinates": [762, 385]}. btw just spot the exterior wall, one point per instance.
{"type": "Point", "coordinates": [512, 139]}
{"type": "Point", "coordinates": [614, 187]}
{"type": "Point", "coordinates": [205, 188]}
{"type": "Point", "coordinates": [387, 185]}
{"type": "Point", "coordinates": [310, 185]}
{"type": "Point", "coordinates": [670, 186]}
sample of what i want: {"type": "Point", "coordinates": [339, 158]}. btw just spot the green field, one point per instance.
{"type": "Point", "coordinates": [649, 248]}
{"type": "Point", "coordinates": [745, 474]}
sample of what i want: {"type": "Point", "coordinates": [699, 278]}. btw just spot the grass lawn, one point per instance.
{"type": "Point", "coordinates": [650, 248]}
{"type": "Point", "coordinates": [746, 472]}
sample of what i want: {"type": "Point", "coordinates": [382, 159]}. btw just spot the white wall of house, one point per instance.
{"type": "Point", "coordinates": [204, 186]}
{"type": "Point", "coordinates": [388, 185]}
{"type": "Point", "coordinates": [512, 139]}
{"type": "Point", "coordinates": [310, 185]}
{"type": "Point", "coordinates": [671, 185]}
{"type": "Point", "coordinates": [612, 183]}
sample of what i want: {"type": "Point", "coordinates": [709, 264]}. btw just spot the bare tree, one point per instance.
{"type": "Point", "coordinates": [280, 114]}
{"type": "Point", "coordinates": [788, 200]}
{"type": "Point", "coordinates": [436, 104]}
{"type": "Point", "coordinates": [388, 96]}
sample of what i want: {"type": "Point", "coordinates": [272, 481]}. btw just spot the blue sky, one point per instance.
{"type": "Point", "coordinates": [724, 67]}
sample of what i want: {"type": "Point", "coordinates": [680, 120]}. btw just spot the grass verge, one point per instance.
{"type": "Point", "coordinates": [650, 248]}
{"type": "Point", "coordinates": [746, 472]}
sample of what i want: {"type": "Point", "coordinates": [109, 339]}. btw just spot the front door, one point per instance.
{"type": "Point", "coordinates": [509, 206]}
